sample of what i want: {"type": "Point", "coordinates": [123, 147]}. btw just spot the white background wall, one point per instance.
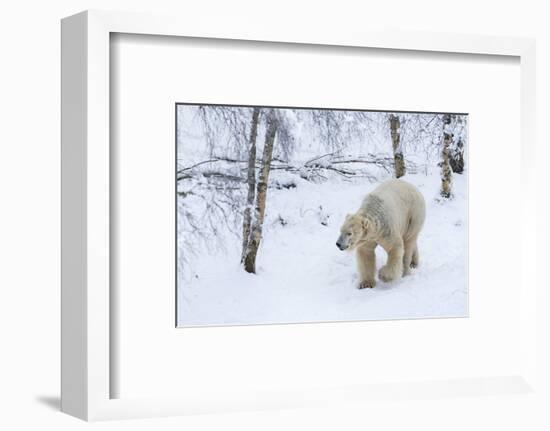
{"type": "Point", "coordinates": [29, 196]}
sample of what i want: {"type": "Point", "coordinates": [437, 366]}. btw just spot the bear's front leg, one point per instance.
{"type": "Point", "coordinates": [366, 263]}
{"type": "Point", "coordinates": [393, 269]}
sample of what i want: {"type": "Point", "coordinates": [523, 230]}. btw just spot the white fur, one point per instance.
{"type": "Point", "coordinates": [390, 216]}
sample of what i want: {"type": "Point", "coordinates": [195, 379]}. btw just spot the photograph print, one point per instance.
{"type": "Point", "coordinates": [295, 215]}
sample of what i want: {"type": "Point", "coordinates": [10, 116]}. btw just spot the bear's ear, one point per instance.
{"type": "Point", "coordinates": [348, 216]}
{"type": "Point", "coordinates": [364, 223]}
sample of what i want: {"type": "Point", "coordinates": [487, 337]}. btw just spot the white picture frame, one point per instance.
{"type": "Point", "coordinates": [86, 312]}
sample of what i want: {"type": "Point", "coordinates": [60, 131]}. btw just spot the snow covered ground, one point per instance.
{"type": "Point", "coordinates": [303, 277]}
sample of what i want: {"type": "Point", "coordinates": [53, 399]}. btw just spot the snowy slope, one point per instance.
{"type": "Point", "coordinates": [303, 277]}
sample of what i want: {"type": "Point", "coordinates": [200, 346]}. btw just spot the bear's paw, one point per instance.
{"type": "Point", "coordinates": [366, 284]}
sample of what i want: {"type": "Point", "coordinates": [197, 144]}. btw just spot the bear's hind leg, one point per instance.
{"type": "Point", "coordinates": [409, 255]}
{"type": "Point", "coordinates": [415, 260]}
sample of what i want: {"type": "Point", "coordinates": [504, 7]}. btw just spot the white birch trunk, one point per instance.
{"type": "Point", "coordinates": [251, 181]}
{"type": "Point", "coordinates": [399, 161]}
{"type": "Point", "coordinates": [261, 195]}
{"type": "Point", "coordinates": [446, 171]}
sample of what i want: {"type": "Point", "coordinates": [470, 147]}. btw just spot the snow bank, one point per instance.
{"type": "Point", "coordinates": [303, 277]}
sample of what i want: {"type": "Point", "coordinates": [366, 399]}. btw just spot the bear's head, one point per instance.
{"type": "Point", "coordinates": [352, 232]}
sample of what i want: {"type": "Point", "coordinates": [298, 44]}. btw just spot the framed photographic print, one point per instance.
{"type": "Point", "coordinates": [311, 206]}
{"type": "Point", "coordinates": [268, 198]}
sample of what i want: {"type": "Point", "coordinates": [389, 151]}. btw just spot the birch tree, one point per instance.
{"type": "Point", "coordinates": [261, 194]}
{"type": "Point", "coordinates": [458, 146]}
{"type": "Point", "coordinates": [446, 170]}
{"type": "Point", "coordinates": [251, 181]}
{"type": "Point", "coordinates": [399, 161]}
{"type": "Point", "coordinates": [330, 126]}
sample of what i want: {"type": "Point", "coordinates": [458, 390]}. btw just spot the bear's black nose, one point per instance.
{"type": "Point", "coordinates": [339, 245]}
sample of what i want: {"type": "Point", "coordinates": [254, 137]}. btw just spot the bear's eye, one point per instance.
{"type": "Point", "coordinates": [349, 233]}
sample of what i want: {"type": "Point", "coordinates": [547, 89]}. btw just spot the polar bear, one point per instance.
{"type": "Point", "coordinates": [390, 216]}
